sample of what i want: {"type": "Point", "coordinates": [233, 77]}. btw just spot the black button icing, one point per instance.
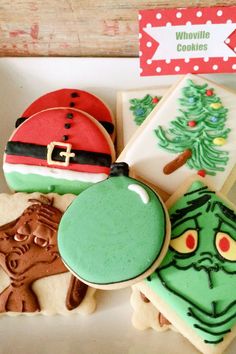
{"type": "Point", "coordinates": [74, 94]}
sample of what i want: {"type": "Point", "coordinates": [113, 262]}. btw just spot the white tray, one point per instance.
{"type": "Point", "coordinates": [109, 329]}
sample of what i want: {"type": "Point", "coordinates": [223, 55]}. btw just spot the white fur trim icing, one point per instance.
{"type": "Point", "coordinates": [54, 173]}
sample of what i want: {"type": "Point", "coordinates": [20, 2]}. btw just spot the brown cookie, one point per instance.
{"type": "Point", "coordinates": [33, 279]}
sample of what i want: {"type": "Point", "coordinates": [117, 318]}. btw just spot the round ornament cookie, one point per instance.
{"type": "Point", "coordinates": [73, 98]}
{"type": "Point", "coordinates": [115, 233]}
{"type": "Point", "coordinates": [59, 150]}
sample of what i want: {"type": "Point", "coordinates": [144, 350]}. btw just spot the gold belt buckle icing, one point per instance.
{"type": "Point", "coordinates": [67, 153]}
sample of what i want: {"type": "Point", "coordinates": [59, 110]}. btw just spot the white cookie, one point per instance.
{"type": "Point", "coordinates": [145, 314]}
{"type": "Point", "coordinates": [133, 106]}
{"type": "Point", "coordinates": [192, 130]}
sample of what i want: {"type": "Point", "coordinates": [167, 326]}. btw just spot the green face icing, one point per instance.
{"type": "Point", "coordinates": [202, 118]}
{"type": "Point", "coordinates": [113, 232]}
{"type": "Point", "coordinates": [197, 276]}
{"type": "Point", "coordinates": [142, 107]}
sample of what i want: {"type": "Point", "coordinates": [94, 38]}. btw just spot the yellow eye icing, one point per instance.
{"type": "Point", "coordinates": [226, 246]}
{"type": "Point", "coordinates": [185, 243]}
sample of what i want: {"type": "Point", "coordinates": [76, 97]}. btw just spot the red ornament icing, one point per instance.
{"type": "Point", "coordinates": [155, 100]}
{"type": "Point", "coordinates": [209, 92]}
{"type": "Point", "coordinates": [190, 242]}
{"type": "Point", "coordinates": [78, 99]}
{"type": "Point", "coordinates": [201, 173]}
{"type": "Point", "coordinates": [224, 244]}
{"type": "Point", "coordinates": [192, 123]}
{"type": "Point", "coordinates": [85, 133]}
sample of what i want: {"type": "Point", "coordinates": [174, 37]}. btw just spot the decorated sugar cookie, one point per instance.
{"type": "Point", "coordinates": [33, 279]}
{"type": "Point", "coordinates": [194, 286]}
{"type": "Point", "coordinates": [191, 131]}
{"type": "Point", "coordinates": [145, 314]}
{"type": "Point", "coordinates": [133, 107]}
{"type": "Point", "coordinates": [82, 100]}
{"type": "Point", "coordinates": [58, 150]}
{"type": "Point", "coordinates": [115, 233]}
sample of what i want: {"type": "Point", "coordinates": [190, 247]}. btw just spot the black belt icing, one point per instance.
{"type": "Point", "coordinates": [40, 152]}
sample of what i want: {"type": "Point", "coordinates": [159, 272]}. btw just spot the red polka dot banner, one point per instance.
{"type": "Point", "coordinates": [187, 40]}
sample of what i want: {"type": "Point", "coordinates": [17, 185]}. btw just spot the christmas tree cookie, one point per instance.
{"type": "Point", "coordinates": [194, 287]}
{"type": "Point", "coordinates": [133, 107]}
{"type": "Point", "coordinates": [115, 233]}
{"type": "Point", "coordinates": [59, 150]}
{"type": "Point", "coordinates": [78, 99]}
{"type": "Point", "coordinates": [191, 131]}
{"type": "Point", "coordinates": [33, 278]}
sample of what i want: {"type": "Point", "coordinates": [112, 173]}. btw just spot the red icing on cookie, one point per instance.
{"type": "Point", "coordinates": [224, 244]}
{"type": "Point", "coordinates": [66, 126]}
{"type": "Point", "coordinates": [190, 242]}
{"type": "Point", "coordinates": [209, 92]}
{"type": "Point", "coordinates": [78, 99]}
{"type": "Point", "coordinates": [155, 100]}
{"type": "Point", "coordinates": [201, 173]}
{"type": "Point", "coordinates": [192, 123]}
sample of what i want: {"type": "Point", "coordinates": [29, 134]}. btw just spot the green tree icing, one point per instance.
{"type": "Point", "coordinates": [142, 107]}
{"type": "Point", "coordinates": [202, 119]}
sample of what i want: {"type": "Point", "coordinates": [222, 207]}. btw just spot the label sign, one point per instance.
{"type": "Point", "coordinates": [187, 40]}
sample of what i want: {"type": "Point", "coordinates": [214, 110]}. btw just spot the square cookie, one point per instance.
{"type": "Point", "coordinates": [192, 130]}
{"type": "Point", "coordinates": [194, 285]}
{"type": "Point", "coordinates": [133, 107]}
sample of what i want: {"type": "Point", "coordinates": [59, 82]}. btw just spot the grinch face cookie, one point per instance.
{"type": "Point", "coordinates": [33, 279]}
{"type": "Point", "coordinates": [194, 285]}
{"type": "Point", "coordinates": [58, 150]}
{"type": "Point", "coordinates": [115, 233]}
{"type": "Point", "coordinates": [191, 131]}
{"type": "Point", "coordinates": [73, 98]}
{"type": "Point", "coordinates": [133, 107]}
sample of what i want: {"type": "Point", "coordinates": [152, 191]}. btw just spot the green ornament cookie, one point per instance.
{"type": "Point", "coordinates": [115, 233]}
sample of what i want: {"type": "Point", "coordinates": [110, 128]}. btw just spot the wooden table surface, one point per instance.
{"type": "Point", "coordinates": [77, 27]}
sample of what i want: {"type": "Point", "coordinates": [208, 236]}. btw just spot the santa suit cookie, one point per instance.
{"type": "Point", "coordinates": [61, 150]}
{"type": "Point", "coordinates": [73, 98]}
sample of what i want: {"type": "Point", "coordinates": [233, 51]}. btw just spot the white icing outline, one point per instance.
{"type": "Point", "coordinates": [140, 191]}
{"type": "Point", "coordinates": [54, 173]}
